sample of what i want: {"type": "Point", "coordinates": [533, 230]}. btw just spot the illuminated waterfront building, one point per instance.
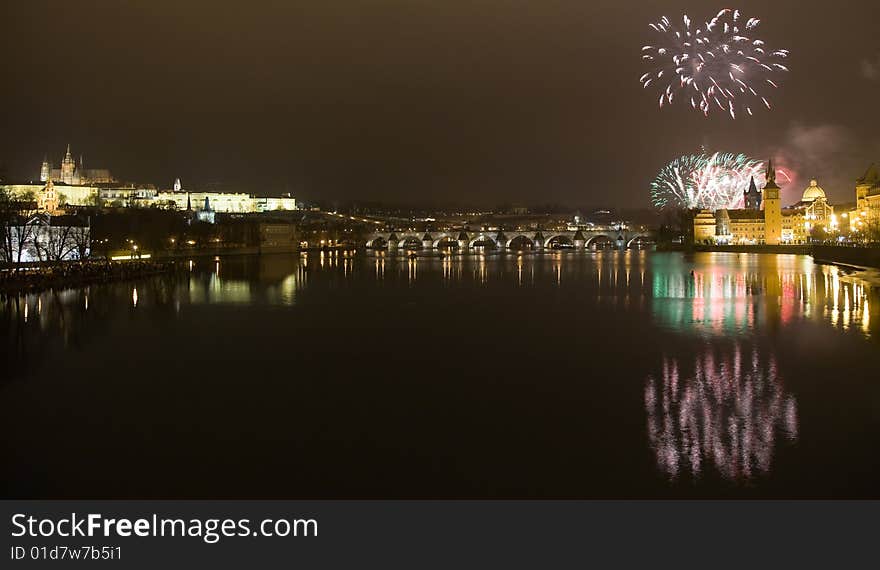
{"type": "Point", "coordinates": [704, 226]}
{"type": "Point", "coordinates": [866, 215]}
{"type": "Point", "coordinates": [763, 220]}
{"type": "Point", "coordinates": [816, 210]}
{"type": "Point", "coordinates": [772, 208]}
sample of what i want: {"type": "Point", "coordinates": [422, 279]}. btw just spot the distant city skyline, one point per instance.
{"type": "Point", "coordinates": [428, 103]}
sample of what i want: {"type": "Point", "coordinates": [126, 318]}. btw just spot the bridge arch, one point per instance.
{"type": "Point", "coordinates": [482, 239]}
{"type": "Point", "coordinates": [600, 240]}
{"type": "Point", "coordinates": [377, 242]}
{"type": "Point", "coordinates": [520, 241]}
{"type": "Point", "coordinates": [561, 238]}
{"type": "Point", "coordinates": [409, 241]}
{"type": "Point", "coordinates": [644, 238]}
{"type": "Point", "coordinates": [445, 240]}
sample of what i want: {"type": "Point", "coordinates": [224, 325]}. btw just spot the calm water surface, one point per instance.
{"type": "Point", "coordinates": [552, 375]}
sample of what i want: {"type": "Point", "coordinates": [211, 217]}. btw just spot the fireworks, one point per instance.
{"type": "Point", "coordinates": [718, 65]}
{"type": "Point", "coordinates": [707, 181]}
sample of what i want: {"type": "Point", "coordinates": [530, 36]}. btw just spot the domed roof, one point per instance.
{"type": "Point", "coordinates": [813, 192]}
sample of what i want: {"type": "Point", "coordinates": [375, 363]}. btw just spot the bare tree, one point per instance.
{"type": "Point", "coordinates": [17, 229]}
{"type": "Point", "coordinates": [82, 240]}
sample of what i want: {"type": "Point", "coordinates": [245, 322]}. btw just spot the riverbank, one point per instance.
{"type": "Point", "coordinates": [776, 249]}
{"type": "Point", "coordinates": [222, 251]}
{"type": "Point", "coordinates": [79, 273]}
{"type": "Point", "coordinates": [858, 257]}
{"type": "Point", "coordinates": [186, 253]}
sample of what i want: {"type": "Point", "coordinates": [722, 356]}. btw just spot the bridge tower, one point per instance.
{"type": "Point", "coordinates": [772, 208]}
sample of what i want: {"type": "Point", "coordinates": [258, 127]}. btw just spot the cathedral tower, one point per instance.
{"type": "Point", "coordinates": [772, 208]}
{"type": "Point", "coordinates": [68, 167]}
{"type": "Point", "coordinates": [45, 170]}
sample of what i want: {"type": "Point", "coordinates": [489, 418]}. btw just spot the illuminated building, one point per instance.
{"type": "Point", "coordinates": [225, 202]}
{"type": "Point", "coordinates": [815, 208]}
{"type": "Point", "coordinates": [270, 204]}
{"type": "Point", "coordinates": [704, 227]}
{"type": "Point", "coordinates": [763, 220]}
{"type": "Point", "coordinates": [772, 208]}
{"type": "Point", "coordinates": [44, 237]}
{"type": "Point", "coordinates": [221, 201]}
{"type": "Point", "coordinates": [47, 198]}
{"type": "Point", "coordinates": [78, 186]}
{"type": "Point", "coordinates": [206, 214]}
{"type": "Point", "coordinates": [752, 197]}
{"type": "Point", "coordinates": [74, 174]}
{"type": "Point", "coordinates": [866, 216]}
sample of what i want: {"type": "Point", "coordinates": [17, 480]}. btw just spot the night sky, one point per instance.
{"type": "Point", "coordinates": [417, 101]}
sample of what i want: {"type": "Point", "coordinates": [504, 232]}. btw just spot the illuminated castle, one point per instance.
{"type": "Point", "coordinates": [74, 174]}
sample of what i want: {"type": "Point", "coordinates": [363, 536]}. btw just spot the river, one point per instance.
{"type": "Point", "coordinates": [554, 375]}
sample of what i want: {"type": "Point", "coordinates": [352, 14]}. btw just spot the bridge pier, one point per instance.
{"type": "Point", "coordinates": [427, 242]}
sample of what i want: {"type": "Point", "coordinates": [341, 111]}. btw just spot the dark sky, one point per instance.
{"type": "Point", "coordinates": [472, 101]}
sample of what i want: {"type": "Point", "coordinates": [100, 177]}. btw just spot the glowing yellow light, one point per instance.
{"type": "Point", "coordinates": [128, 257]}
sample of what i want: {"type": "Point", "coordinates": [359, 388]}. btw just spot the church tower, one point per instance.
{"type": "Point", "coordinates": [45, 170]}
{"type": "Point", "coordinates": [68, 167]}
{"type": "Point", "coordinates": [752, 197]}
{"type": "Point", "coordinates": [772, 208]}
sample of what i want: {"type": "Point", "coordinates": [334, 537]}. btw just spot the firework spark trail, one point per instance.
{"type": "Point", "coordinates": [707, 181]}
{"type": "Point", "coordinates": [723, 66]}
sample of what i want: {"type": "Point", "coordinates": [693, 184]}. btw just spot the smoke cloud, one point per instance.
{"type": "Point", "coordinates": [871, 68]}
{"type": "Point", "coordinates": [830, 153]}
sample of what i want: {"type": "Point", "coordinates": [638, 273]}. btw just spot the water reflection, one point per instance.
{"type": "Point", "coordinates": [723, 408]}
{"type": "Point", "coordinates": [717, 337]}
{"type": "Point", "coordinates": [735, 293]}
{"type": "Point", "coordinates": [715, 294]}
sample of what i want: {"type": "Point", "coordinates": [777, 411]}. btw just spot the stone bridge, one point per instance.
{"type": "Point", "coordinates": [509, 239]}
